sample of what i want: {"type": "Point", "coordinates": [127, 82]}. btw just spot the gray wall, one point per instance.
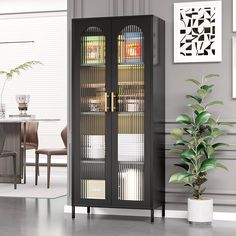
{"type": "Point", "coordinates": [221, 184]}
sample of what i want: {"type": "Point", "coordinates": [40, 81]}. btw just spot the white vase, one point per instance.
{"type": "Point", "coordinates": [200, 210]}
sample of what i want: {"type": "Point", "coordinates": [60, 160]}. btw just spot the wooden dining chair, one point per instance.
{"type": "Point", "coordinates": [32, 140]}
{"type": "Point", "coordinates": [7, 154]}
{"type": "Point", "coordinates": [31, 136]}
{"type": "Point", "coordinates": [50, 152]}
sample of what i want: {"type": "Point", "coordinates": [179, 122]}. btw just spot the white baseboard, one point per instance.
{"type": "Point", "coordinates": [226, 216]}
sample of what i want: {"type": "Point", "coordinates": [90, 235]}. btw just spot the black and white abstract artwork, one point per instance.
{"type": "Point", "coordinates": [234, 15]}
{"type": "Point", "coordinates": [197, 32]}
{"type": "Point", "coordinates": [234, 66]}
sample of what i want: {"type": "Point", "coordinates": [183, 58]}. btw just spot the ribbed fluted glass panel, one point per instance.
{"type": "Point", "coordinates": [92, 118]}
{"type": "Point", "coordinates": [92, 70]}
{"type": "Point", "coordinates": [130, 108]}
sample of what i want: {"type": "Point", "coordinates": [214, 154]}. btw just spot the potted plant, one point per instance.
{"type": "Point", "coordinates": [195, 143]}
{"type": "Point", "coordinates": [9, 74]}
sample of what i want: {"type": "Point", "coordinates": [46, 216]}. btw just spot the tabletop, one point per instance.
{"type": "Point", "coordinates": [26, 119]}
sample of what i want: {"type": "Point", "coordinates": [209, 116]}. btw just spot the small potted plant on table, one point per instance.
{"type": "Point", "coordinates": [196, 146]}
{"type": "Point", "coordinates": [8, 75]}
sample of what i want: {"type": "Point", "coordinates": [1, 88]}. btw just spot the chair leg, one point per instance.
{"type": "Point", "coordinates": [36, 167]}
{"type": "Point", "coordinates": [14, 169]}
{"type": "Point", "coordinates": [48, 170]}
{"type": "Point", "coordinates": [38, 163]}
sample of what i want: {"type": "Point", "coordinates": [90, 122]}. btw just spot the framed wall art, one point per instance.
{"type": "Point", "coordinates": [234, 66]}
{"type": "Point", "coordinates": [198, 32]}
{"type": "Point", "coordinates": [234, 15]}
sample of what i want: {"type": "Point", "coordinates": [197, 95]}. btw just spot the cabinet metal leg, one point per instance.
{"type": "Point", "coordinates": [163, 211]}
{"type": "Point", "coordinates": [152, 215]}
{"type": "Point", "coordinates": [88, 210]}
{"type": "Point", "coordinates": [24, 151]}
{"type": "Point", "coordinates": [73, 212]}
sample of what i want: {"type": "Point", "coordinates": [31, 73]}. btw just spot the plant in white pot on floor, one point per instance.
{"type": "Point", "coordinates": [196, 144]}
{"type": "Point", "coordinates": [9, 75]}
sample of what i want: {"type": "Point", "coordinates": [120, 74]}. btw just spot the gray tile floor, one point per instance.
{"type": "Point", "coordinates": [32, 217]}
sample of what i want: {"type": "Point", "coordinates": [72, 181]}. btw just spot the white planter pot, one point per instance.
{"type": "Point", "coordinates": [200, 211]}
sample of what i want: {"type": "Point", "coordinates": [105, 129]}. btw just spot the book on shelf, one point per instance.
{"type": "Point", "coordinates": [94, 47]}
{"type": "Point", "coordinates": [133, 47]}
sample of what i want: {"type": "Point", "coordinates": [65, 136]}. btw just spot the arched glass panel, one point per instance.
{"type": "Point", "coordinates": [92, 118]}
{"type": "Point", "coordinates": [130, 107]}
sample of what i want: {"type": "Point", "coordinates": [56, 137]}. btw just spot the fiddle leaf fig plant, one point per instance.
{"type": "Point", "coordinates": [196, 142]}
{"type": "Point", "coordinates": [17, 70]}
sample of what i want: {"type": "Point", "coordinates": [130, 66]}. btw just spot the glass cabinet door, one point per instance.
{"type": "Point", "coordinates": [130, 114]}
{"type": "Point", "coordinates": [93, 120]}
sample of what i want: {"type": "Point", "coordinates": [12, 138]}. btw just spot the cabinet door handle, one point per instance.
{"type": "Point", "coordinates": [105, 102]}
{"type": "Point", "coordinates": [113, 107]}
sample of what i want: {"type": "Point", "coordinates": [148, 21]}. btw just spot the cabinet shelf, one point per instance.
{"type": "Point", "coordinates": [99, 113]}
{"type": "Point", "coordinates": [93, 161]}
{"type": "Point", "coordinates": [93, 86]}
{"type": "Point", "coordinates": [130, 83]}
{"type": "Point", "coordinates": [131, 162]}
{"type": "Point", "coordinates": [130, 64]}
{"type": "Point", "coordinates": [102, 65]}
{"type": "Point", "coordinates": [126, 113]}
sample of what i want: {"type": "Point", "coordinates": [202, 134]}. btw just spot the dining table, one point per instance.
{"type": "Point", "coordinates": [13, 125]}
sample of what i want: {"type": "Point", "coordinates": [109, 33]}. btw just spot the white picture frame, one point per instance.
{"type": "Point", "coordinates": [196, 38]}
{"type": "Point", "coordinates": [234, 15]}
{"type": "Point", "coordinates": [234, 67]}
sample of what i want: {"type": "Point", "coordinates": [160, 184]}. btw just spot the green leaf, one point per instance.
{"type": "Point", "coordinates": [211, 122]}
{"type": "Point", "coordinates": [207, 138]}
{"type": "Point", "coordinates": [179, 177]}
{"type": "Point", "coordinates": [189, 130]}
{"type": "Point", "coordinates": [180, 142]}
{"type": "Point", "coordinates": [183, 118]}
{"type": "Point", "coordinates": [188, 185]}
{"type": "Point", "coordinates": [202, 118]}
{"type": "Point", "coordinates": [199, 108]}
{"type": "Point", "coordinates": [216, 102]}
{"type": "Point", "coordinates": [18, 69]}
{"type": "Point", "coordinates": [215, 145]}
{"type": "Point", "coordinates": [210, 150]}
{"type": "Point", "coordinates": [196, 98]}
{"type": "Point", "coordinates": [217, 132]}
{"type": "Point", "coordinates": [210, 76]}
{"type": "Point", "coordinates": [188, 156]}
{"type": "Point", "coordinates": [208, 164]}
{"type": "Point", "coordinates": [202, 93]}
{"type": "Point", "coordinates": [220, 165]}
{"type": "Point", "coordinates": [176, 134]}
{"type": "Point", "coordinates": [200, 147]}
{"type": "Point", "coordinates": [206, 154]}
{"type": "Point", "coordinates": [183, 165]}
{"type": "Point", "coordinates": [194, 81]}
{"type": "Point", "coordinates": [207, 87]}
{"type": "Point", "coordinates": [226, 124]}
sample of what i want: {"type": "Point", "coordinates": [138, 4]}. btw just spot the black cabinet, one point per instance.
{"type": "Point", "coordinates": [118, 112]}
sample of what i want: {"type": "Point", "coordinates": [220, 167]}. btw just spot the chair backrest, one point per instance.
{"type": "Point", "coordinates": [64, 136]}
{"type": "Point", "coordinates": [31, 133]}
{"type": "Point", "coordinates": [2, 139]}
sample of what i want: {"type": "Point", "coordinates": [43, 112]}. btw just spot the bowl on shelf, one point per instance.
{"type": "Point", "coordinates": [22, 101]}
